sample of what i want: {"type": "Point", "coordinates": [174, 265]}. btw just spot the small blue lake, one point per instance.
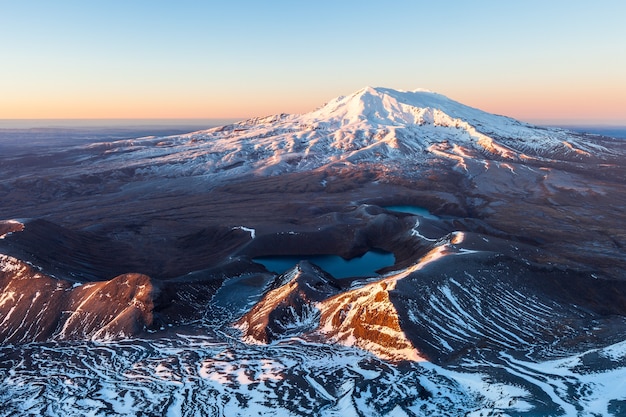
{"type": "Point", "coordinates": [420, 211]}
{"type": "Point", "coordinates": [364, 266]}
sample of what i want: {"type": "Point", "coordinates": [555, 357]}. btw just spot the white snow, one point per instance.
{"type": "Point", "coordinates": [615, 352]}
{"type": "Point", "coordinates": [247, 229]}
{"type": "Point", "coordinates": [10, 264]}
{"type": "Point", "coordinates": [201, 376]}
{"type": "Point", "coordinates": [416, 232]}
{"type": "Point", "coordinates": [183, 376]}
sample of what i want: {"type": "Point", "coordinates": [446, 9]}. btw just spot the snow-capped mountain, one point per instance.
{"type": "Point", "coordinates": [129, 283]}
{"type": "Point", "coordinates": [373, 125]}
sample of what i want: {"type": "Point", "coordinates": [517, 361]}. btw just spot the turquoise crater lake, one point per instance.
{"type": "Point", "coordinates": [363, 266]}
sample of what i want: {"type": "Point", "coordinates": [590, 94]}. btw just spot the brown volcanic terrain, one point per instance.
{"type": "Point", "coordinates": [192, 219]}
{"type": "Point", "coordinates": [165, 235]}
{"type": "Point", "coordinates": [37, 307]}
{"type": "Point", "coordinates": [172, 229]}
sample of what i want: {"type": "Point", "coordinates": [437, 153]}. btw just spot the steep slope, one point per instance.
{"type": "Point", "coordinates": [36, 307]}
{"type": "Point", "coordinates": [363, 316]}
{"type": "Point", "coordinates": [491, 301]}
{"type": "Point", "coordinates": [289, 306]}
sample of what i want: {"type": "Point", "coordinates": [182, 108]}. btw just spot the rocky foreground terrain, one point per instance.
{"type": "Point", "coordinates": [128, 281]}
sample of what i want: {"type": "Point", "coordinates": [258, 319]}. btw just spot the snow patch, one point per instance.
{"type": "Point", "coordinates": [246, 229]}
{"type": "Point", "coordinates": [10, 264]}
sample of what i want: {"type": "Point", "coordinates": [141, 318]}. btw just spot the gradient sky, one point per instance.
{"type": "Point", "coordinates": [542, 61]}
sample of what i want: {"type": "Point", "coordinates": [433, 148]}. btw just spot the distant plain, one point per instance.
{"type": "Point", "coordinates": [29, 134]}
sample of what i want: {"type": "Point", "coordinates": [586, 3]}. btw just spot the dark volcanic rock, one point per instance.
{"type": "Point", "coordinates": [488, 300]}
{"type": "Point", "coordinates": [190, 298]}
{"type": "Point", "coordinates": [88, 255]}
{"type": "Point", "coordinates": [67, 253]}
{"type": "Point", "coordinates": [524, 262]}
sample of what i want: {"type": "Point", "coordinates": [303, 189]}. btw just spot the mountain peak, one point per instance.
{"type": "Point", "coordinates": [385, 106]}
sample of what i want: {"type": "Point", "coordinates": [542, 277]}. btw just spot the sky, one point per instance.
{"type": "Point", "coordinates": [551, 61]}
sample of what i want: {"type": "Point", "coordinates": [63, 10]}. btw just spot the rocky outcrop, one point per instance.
{"type": "Point", "coordinates": [366, 318]}
{"type": "Point", "coordinates": [8, 227]}
{"type": "Point", "coordinates": [290, 305]}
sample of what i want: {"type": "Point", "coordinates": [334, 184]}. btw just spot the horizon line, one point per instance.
{"type": "Point", "coordinates": [39, 122]}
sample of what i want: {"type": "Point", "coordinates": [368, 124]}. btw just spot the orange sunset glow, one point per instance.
{"type": "Point", "coordinates": [564, 64]}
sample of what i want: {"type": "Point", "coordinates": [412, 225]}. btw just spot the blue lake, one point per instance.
{"type": "Point", "coordinates": [364, 266]}
{"type": "Point", "coordinates": [420, 211]}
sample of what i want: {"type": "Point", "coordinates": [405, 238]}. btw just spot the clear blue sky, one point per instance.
{"type": "Point", "coordinates": [535, 60]}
